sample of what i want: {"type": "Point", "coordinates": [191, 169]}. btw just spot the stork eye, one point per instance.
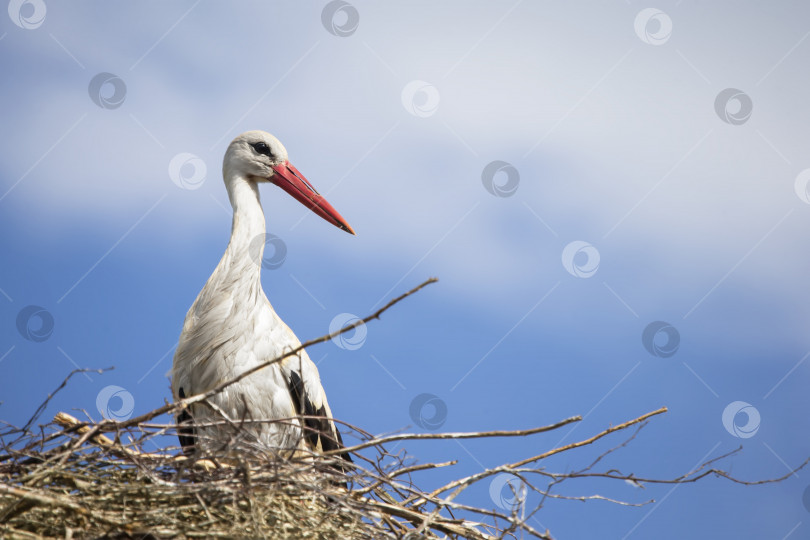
{"type": "Point", "coordinates": [262, 148]}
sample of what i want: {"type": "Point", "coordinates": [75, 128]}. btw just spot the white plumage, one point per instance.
{"type": "Point", "coordinates": [232, 327]}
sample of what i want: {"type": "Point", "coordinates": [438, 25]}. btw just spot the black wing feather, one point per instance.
{"type": "Point", "coordinates": [185, 428]}
{"type": "Point", "coordinates": [318, 426]}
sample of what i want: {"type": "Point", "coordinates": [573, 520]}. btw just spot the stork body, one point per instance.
{"type": "Point", "coordinates": [232, 327]}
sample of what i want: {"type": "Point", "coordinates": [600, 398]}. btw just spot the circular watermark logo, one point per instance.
{"type": "Point", "coordinates": [352, 339]}
{"type": "Point", "coordinates": [35, 323]}
{"type": "Point", "coordinates": [733, 106]}
{"type": "Point", "coordinates": [507, 491]}
{"type": "Point", "coordinates": [28, 14]}
{"type": "Point", "coordinates": [268, 251]}
{"type": "Point", "coordinates": [661, 339]}
{"type": "Point", "coordinates": [802, 186]}
{"type": "Point", "coordinates": [580, 259]}
{"type": "Point", "coordinates": [420, 98]}
{"type": "Point", "coordinates": [428, 411]}
{"type": "Point", "coordinates": [653, 26]}
{"type": "Point", "coordinates": [741, 419]}
{"type": "Point", "coordinates": [115, 403]}
{"type": "Point", "coordinates": [340, 18]}
{"type": "Point", "coordinates": [500, 178]}
{"type": "Point", "coordinates": [108, 91]}
{"type": "Point", "coordinates": [187, 171]}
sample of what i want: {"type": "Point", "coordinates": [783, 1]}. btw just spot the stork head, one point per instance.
{"type": "Point", "coordinates": [257, 156]}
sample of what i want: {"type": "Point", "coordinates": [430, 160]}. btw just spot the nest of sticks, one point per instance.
{"type": "Point", "coordinates": [128, 480]}
{"type": "Point", "coordinates": [70, 480]}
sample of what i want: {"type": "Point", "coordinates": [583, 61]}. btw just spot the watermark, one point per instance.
{"type": "Point", "coordinates": [580, 259]}
{"type": "Point", "coordinates": [107, 90]}
{"type": "Point", "coordinates": [28, 14]}
{"type": "Point", "coordinates": [507, 491]}
{"type": "Point", "coordinates": [268, 251]}
{"type": "Point", "coordinates": [187, 171]}
{"type": "Point", "coordinates": [731, 415]}
{"type": "Point", "coordinates": [428, 411]}
{"type": "Point", "coordinates": [115, 403]}
{"type": "Point", "coordinates": [340, 18]}
{"type": "Point", "coordinates": [35, 323]}
{"type": "Point", "coordinates": [802, 186]}
{"type": "Point", "coordinates": [653, 26]}
{"type": "Point", "coordinates": [733, 106]}
{"type": "Point", "coordinates": [806, 498]}
{"type": "Point", "coordinates": [420, 98]}
{"type": "Point", "coordinates": [661, 339]}
{"type": "Point", "coordinates": [352, 339]}
{"type": "Point", "coordinates": [500, 178]}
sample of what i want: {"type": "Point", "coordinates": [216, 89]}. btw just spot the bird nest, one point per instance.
{"type": "Point", "coordinates": [70, 480]}
{"type": "Point", "coordinates": [128, 480]}
{"type": "Point", "coordinates": [60, 486]}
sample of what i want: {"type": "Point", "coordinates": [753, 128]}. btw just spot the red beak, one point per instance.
{"type": "Point", "coordinates": [293, 182]}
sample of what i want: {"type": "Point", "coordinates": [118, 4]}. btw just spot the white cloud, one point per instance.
{"type": "Point", "coordinates": [610, 121]}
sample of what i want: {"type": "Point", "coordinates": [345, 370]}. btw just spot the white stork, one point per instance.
{"type": "Point", "coordinates": [231, 327]}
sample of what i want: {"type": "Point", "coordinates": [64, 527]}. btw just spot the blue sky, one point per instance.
{"type": "Point", "coordinates": [615, 132]}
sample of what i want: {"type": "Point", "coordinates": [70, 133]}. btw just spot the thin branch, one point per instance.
{"type": "Point", "coordinates": [44, 404]}
{"type": "Point", "coordinates": [457, 435]}
{"type": "Point", "coordinates": [506, 468]}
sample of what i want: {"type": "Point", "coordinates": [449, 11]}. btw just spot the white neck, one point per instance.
{"type": "Point", "coordinates": [240, 266]}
